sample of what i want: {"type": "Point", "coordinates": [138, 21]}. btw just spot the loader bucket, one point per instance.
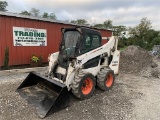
{"type": "Point", "coordinates": [46, 94]}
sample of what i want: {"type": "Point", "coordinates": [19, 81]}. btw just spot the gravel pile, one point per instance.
{"type": "Point", "coordinates": [153, 70]}
{"type": "Point", "coordinates": [136, 60]}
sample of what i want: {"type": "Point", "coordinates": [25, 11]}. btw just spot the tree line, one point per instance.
{"type": "Point", "coordinates": [33, 12]}
{"type": "Point", "coordinates": [142, 34]}
{"type": "Point", "coordinates": [36, 13]}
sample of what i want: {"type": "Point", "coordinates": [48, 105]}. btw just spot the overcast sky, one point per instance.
{"type": "Point", "coordinates": [121, 12]}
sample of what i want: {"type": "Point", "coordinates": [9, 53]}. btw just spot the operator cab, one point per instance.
{"type": "Point", "coordinates": [75, 42]}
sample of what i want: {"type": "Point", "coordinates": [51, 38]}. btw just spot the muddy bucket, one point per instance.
{"type": "Point", "coordinates": [46, 94]}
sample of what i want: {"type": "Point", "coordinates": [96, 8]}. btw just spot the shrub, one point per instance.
{"type": "Point", "coordinates": [6, 58]}
{"type": "Point", "coordinates": [34, 59]}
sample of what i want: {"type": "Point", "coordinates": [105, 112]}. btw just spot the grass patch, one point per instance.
{"type": "Point", "coordinates": [122, 49]}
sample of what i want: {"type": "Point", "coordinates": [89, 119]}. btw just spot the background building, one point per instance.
{"type": "Point", "coordinates": [15, 32]}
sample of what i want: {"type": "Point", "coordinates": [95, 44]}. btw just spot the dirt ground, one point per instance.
{"type": "Point", "coordinates": [135, 95]}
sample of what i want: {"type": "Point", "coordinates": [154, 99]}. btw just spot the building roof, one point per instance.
{"type": "Point", "coordinates": [10, 14]}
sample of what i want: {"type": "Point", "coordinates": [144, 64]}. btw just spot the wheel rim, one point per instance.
{"type": "Point", "coordinates": [87, 86]}
{"type": "Point", "coordinates": [109, 80]}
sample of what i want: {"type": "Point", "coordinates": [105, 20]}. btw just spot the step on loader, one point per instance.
{"type": "Point", "coordinates": [81, 63]}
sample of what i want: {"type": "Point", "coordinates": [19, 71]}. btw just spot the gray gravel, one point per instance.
{"type": "Point", "coordinates": [132, 98]}
{"type": "Point", "coordinates": [134, 59]}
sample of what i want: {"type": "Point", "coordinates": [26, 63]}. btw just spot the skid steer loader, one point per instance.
{"type": "Point", "coordinates": [81, 63]}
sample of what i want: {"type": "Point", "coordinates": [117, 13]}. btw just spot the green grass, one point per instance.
{"type": "Point", "coordinates": [122, 49]}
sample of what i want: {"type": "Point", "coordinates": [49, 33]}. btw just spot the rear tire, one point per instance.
{"type": "Point", "coordinates": [105, 79]}
{"type": "Point", "coordinates": [83, 85]}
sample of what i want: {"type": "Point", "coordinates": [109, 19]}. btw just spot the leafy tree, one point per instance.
{"type": "Point", "coordinates": [35, 12]}
{"type": "Point", "coordinates": [80, 22]}
{"type": "Point", "coordinates": [45, 15]}
{"type": "Point", "coordinates": [151, 38]}
{"type": "Point", "coordinates": [119, 30]}
{"type": "Point", "coordinates": [74, 21]}
{"type": "Point", "coordinates": [144, 35]}
{"type": "Point", "coordinates": [67, 20]}
{"type": "Point", "coordinates": [99, 26]}
{"type": "Point", "coordinates": [3, 5]}
{"type": "Point", "coordinates": [25, 13]}
{"type": "Point", "coordinates": [140, 32]}
{"type": "Point", "coordinates": [122, 42]}
{"type": "Point", "coordinates": [156, 40]}
{"type": "Point", "coordinates": [53, 16]}
{"type": "Point", "coordinates": [130, 41]}
{"type": "Point", "coordinates": [108, 24]}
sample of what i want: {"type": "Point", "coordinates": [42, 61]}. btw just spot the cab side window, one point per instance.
{"type": "Point", "coordinates": [96, 42]}
{"type": "Point", "coordinates": [91, 41]}
{"type": "Point", "coordinates": [88, 41]}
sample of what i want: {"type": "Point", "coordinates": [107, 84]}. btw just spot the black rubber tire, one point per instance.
{"type": "Point", "coordinates": [102, 78]}
{"type": "Point", "coordinates": [78, 83]}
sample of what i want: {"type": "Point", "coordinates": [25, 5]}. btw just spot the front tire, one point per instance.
{"type": "Point", "coordinates": [105, 79]}
{"type": "Point", "coordinates": [83, 85]}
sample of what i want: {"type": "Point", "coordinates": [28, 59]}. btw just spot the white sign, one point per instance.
{"type": "Point", "coordinates": [29, 36]}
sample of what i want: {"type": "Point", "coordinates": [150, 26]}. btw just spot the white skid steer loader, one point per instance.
{"type": "Point", "coordinates": [81, 63]}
